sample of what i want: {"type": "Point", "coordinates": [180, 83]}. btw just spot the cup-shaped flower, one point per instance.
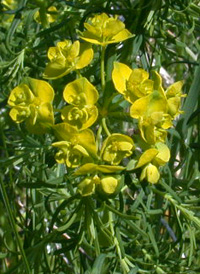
{"type": "Point", "coordinates": [67, 57]}
{"type": "Point", "coordinates": [109, 184]}
{"type": "Point", "coordinates": [87, 186]}
{"type": "Point", "coordinates": [104, 30]}
{"type": "Point", "coordinates": [71, 155]}
{"type": "Point", "coordinates": [163, 155]}
{"type": "Point", "coordinates": [41, 118]}
{"type": "Point", "coordinates": [32, 102]}
{"type": "Point", "coordinates": [147, 105]}
{"type": "Point", "coordinates": [150, 173]}
{"type": "Point", "coordinates": [150, 160]}
{"type": "Point", "coordinates": [81, 95]}
{"type": "Point", "coordinates": [79, 117]}
{"type": "Point", "coordinates": [173, 94]}
{"type": "Point", "coordinates": [116, 147]}
{"type": "Point", "coordinates": [131, 83]}
{"type": "Point", "coordinates": [153, 128]}
{"type": "Point", "coordinates": [84, 138]}
{"type": "Point", "coordinates": [159, 155]}
{"type": "Point", "coordinates": [80, 92]}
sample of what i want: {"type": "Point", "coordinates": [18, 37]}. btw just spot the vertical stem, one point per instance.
{"type": "Point", "coordinates": [123, 263]}
{"type": "Point", "coordinates": [98, 137]}
{"type": "Point", "coordinates": [13, 225]}
{"type": "Point", "coordinates": [103, 48]}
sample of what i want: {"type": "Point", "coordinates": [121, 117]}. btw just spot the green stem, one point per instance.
{"type": "Point", "coordinates": [109, 100]}
{"type": "Point", "coordinates": [120, 252]}
{"type": "Point", "coordinates": [123, 216]}
{"type": "Point", "coordinates": [103, 82]}
{"type": "Point", "coordinates": [78, 74]}
{"type": "Point", "coordinates": [105, 127]}
{"type": "Point", "coordinates": [98, 138]}
{"type": "Point", "coordinates": [43, 17]}
{"type": "Point", "coordinates": [13, 225]}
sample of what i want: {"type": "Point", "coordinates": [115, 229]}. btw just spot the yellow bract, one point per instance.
{"type": "Point", "coordinates": [104, 30]}
{"type": "Point", "coordinates": [150, 160]}
{"type": "Point", "coordinates": [116, 147]}
{"type": "Point", "coordinates": [80, 117]}
{"type": "Point", "coordinates": [84, 138]}
{"type": "Point", "coordinates": [75, 147]}
{"type": "Point", "coordinates": [106, 184]}
{"type": "Point", "coordinates": [153, 127]}
{"type": "Point", "coordinates": [133, 84]}
{"type": "Point", "coordinates": [81, 95]}
{"type": "Point", "coordinates": [147, 105]}
{"type": "Point", "coordinates": [91, 168]}
{"type": "Point", "coordinates": [150, 173]}
{"type": "Point", "coordinates": [67, 57]}
{"type": "Point", "coordinates": [173, 94]}
{"type": "Point", "coordinates": [71, 155]}
{"type": "Point", "coordinates": [32, 102]}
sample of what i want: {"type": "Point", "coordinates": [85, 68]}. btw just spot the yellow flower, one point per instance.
{"type": "Point", "coordinates": [32, 102]}
{"type": "Point", "coordinates": [87, 186]}
{"type": "Point", "coordinates": [81, 95]}
{"type": "Point", "coordinates": [80, 92]}
{"type": "Point", "coordinates": [70, 154]}
{"type": "Point", "coordinates": [67, 57]}
{"type": "Point", "coordinates": [153, 128]}
{"type": "Point", "coordinates": [173, 94]}
{"type": "Point", "coordinates": [104, 30]}
{"type": "Point", "coordinates": [84, 138]}
{"type": "Point", "coordinates": [80, 117]}
{"type": "Point", "coordinates": [104, 184]}
{"type": "Point", "coordinates": [150, 160]}
{"type": "Point", "coordinates": [51, 15]}
{"type": "Point", "coordinates": [150, 173]}
{"type": "Point", "coordinates": [147, 105]}
{"type": "Point", "coordinates": [131, 83]}
{"type": "Point", "coordinates": [116, 147]}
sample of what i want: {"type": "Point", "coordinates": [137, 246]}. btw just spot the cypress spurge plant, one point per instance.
{"type": "Point", "coordinates": [107, 204]}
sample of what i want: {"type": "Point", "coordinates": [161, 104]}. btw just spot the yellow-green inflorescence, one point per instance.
{"type": "Point", "coordinates": [98, 159]}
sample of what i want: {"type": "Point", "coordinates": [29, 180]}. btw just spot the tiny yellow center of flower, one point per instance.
{"type": "Point", "coordinates": [37, 102]}
{"type": "Point", "coordinates": [78, 99]}
{"type": "Point", "coordinates": [20, 98]}
{"type": "Point", "coordinates": [114, 146]}
{"type": "Point", "coordinates": [96, 180]}
{"type": "Point", "coordinates": [77, 114]}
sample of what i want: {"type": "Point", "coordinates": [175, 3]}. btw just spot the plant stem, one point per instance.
{"type": "Point", "coordinates": [98, 138]}
{"type": "Point", "coordinates": [105, 127]}
{"type": "Point", "coordinates": [103, 83]}
{"type": "Point", "coordinates": [13, 225]}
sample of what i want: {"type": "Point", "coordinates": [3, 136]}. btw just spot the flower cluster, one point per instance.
{"type": "Point", "coordinates": [67, 57]}
{"type": "Point", "coordinates": [154, 109]}
{"type": "Point", "coordinates": [81, 96]}
{"type": "Point", "coordinates": [96, 158]}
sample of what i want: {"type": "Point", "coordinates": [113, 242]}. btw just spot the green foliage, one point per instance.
{"type": "Point", "coordinates": [48, 228]}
